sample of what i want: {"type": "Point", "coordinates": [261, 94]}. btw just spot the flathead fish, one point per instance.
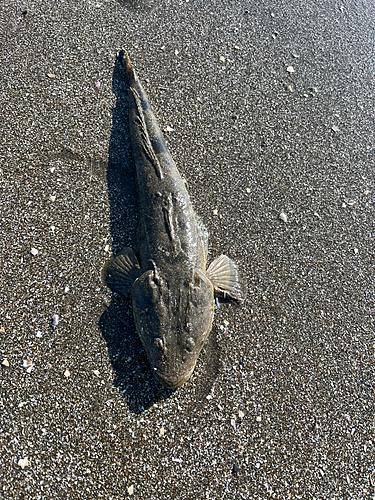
{"type": "Point", "coordinates": [172, 291]}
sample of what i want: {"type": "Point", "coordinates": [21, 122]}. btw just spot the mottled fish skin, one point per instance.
{"type": "Point", "coordinates": [172, 293]}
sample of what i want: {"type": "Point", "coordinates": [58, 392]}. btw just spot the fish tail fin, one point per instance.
{"type": "Point", "coordinates": [127, 65]}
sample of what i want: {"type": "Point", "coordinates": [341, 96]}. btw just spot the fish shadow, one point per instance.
{"type": "Point", "coordinates": [129, 361]}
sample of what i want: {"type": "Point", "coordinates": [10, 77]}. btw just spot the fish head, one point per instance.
{"type": "Point", "coordinates": [173, 317]}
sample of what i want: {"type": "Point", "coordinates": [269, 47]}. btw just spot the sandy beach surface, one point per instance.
{"type": "Point", "coordinates": [268, 108]}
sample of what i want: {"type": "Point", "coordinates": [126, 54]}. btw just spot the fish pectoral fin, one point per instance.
{"type": "Point", "coordinates": [120, 272]}
{"type": "Point", "coordinates": [224, 276]}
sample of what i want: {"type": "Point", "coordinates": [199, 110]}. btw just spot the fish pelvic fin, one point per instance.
{"type": "Point", "coordinates": [124, 60]}
{"type": "Point", "coordinates": [120, 272]}
{"type": "Point", "coordinates": [224, 276]}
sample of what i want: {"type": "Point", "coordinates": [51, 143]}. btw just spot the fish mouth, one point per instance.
{"type": "Point", "coordinates": [174, 383]}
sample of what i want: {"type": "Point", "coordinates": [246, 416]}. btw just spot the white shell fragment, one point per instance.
{"type": "Point", "coordinates": [168, 129]}
{"type": "Point", "coordinates": [55, 320]}
{"type": "Point", "coordinates": [131, 490]}
{"type": "Point", "coordinates": [283, 217]}
{"type": "Point", "coordinates": [27, 363]}
{"type": "Point", "coordinates": [34, 251]}
{"type": "Point", "coordinates": [5, 362]}
{"type": "Point", "coordinates": [290, 69]}
{"type": "Point", "coordinates": [23, 462]}
{"type": "Point", "coordinates": [67, 373]}
{"type": "Point", "coordinates": [52, 198]}
{"type": "Point", "coordinates": [162, 431]}
{"type": "Point", "coordinates": [336, 129]}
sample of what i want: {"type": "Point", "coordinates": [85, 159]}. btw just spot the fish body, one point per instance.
{"type": "Point", "coordinates": [172, 292]}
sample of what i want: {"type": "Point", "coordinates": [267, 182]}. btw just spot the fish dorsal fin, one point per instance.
{"type": "Point", "coordinates": [120, 272]}
{"type": "Point", "coordinates": [223, 274]}
{"type": "Point", "coordinates": [203, 233]}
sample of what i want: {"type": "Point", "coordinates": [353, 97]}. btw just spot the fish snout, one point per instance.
{"type": "Point", "coordinates": [174, 380]}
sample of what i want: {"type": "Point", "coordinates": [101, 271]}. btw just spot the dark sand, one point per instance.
{"type": "Point", "coordinates": [281, 404]}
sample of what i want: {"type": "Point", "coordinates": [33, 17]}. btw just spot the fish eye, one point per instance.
{"type": "Point", "coordinates": [190, 344]}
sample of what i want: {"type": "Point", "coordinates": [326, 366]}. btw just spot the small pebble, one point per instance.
{"type": "Point", "coordinates": [55, 320]}
{"type": "Point", "coordinates": [221, 138]}
{"type": "Point", "coordinates": [236, 469]}
{"type": "Point", "coordinates": [335, 128]}
{"type": "Point", "coordinates": [50, 75]}
{"type": "Point", "coordinates": [248, 190]}
{"type": "Point", "coordinates": [259, 419]}
{"type": "Point", "coordinates": [168, 129]}
{"type": "Point", "coordinates": [290, 69]}
{"type": "Point", "coordinates": [131, 490]}
{"type": "Point", "coordinates": [67, 373]}
{"type": "Point", "coordinates": [66, 289]}
{"type": "Point", "coordinates": [162, 431]}
{"type": "Point", "coordinates": [52, 198]}
{"type": "Point", "coordinates": [39, 334]}
{"type": "Point", "coordinates": [23, 462]}
{"type": "Point", "coordinates": [283, 217]}
{"type": "Point", "coordinates": [355, 250]}
{"type": "Point", "coordinates": [222, 59]}
{"type": "Point", "coordinates": [289, 88]}
{"type": "Point", "coordinates": [97, 85]}
{"type": "Point", "coordinates": [241, 414]}
{"type": "Point", "coordinates": [96, 372]}
{"type": "Point", "coordinates": [34, 251]}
